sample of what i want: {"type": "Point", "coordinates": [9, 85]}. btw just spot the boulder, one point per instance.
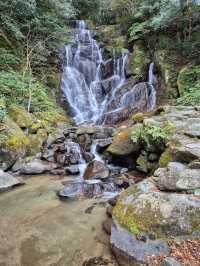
{"type": "Point", "coordinates": [8, 181]}
{"type": "Point", "coordinates": [102, 144]}
{"type": "Point", "coordinates": [177, 177]}
{"type": "Point", "coordinates": [132, 251]}
{"type": "Point", "coordinates": [55, 137]}
{"type": "Point", "coordinates": [73, 170]}
{"type": "Point", "coordinates": [12, 143]}
{"type": "Point", "coordinates": [96, 170]}
{"type": "Point", "coordinates": [32, 166]}
{"type": "Point", "coordinates": [20, 116]}
{"type": "Point", "coordinates": [122, 143]}
{"type": "Point", "coordinates": [143, 209]}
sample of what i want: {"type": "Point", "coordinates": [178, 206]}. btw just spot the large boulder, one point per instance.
{"type": "Point", "coordinates": [12, 143]}
{"type": "Point", "coordinates": [148, 214]}
{"type": "Point", "coordinates": [20, 116]}
{"type": "Point", "coordinates": [8, 181]}
{"type": "Point", "coordinates": [96, 170]}
{"type": "Point", "coordinates": [122, 144]}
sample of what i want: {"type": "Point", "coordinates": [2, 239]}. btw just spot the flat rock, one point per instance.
{"type": "Point", "coordinates": [31, 166]}
{"type": "Point", "coordinates": [73, 170]}
{"type": "Point", "coordinates": [8, 181]}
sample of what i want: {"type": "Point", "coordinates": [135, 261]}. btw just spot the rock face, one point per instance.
{"type": "Point", "coordinates": [7, 181]}
{"type": "Point", "coordinates": [96, 170]}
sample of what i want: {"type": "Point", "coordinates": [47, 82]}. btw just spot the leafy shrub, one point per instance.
{"type": "Point", "coordinates": [151, 134]}
{"type": "Point", "coordinates": [191, 96]}
{"type": "Point", "coordinates": [17, 89]}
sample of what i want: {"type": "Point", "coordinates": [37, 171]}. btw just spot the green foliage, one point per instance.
{"type": "Point", "coordinates": [17, 89]}
{"type": "Point", "coordinates": [8, 59]}
{"type": "Point", "coordinates": [151, 134]}
{"type": "Point", "coordinates": [191, 96]}
{"type": "Point", "coordinates": [86, 8]}
{"type": "Point", "coordinates": [2, 109]}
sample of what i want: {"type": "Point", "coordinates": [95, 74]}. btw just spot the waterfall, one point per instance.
{"type": "Point", "coordinates": [88, 88]}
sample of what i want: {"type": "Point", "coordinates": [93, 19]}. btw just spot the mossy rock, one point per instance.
{"type": "Point", "coordinates": [143, 209]}
{"type": "Point", "coordinates": [138, 118]}
{"type": "Point", "coordinates": [12, 143]}
{"type": "Point", "coordinates": [187, 78]}
{"type": "Point", "coordinates": [166, 157]}
{"type": "Point", "coordinates": [34, 142]}
{"type": "Point", "coordinates": [169, 71]}
{"type": "Point", "coordinates": [122, 143]}
{"type": "Point", "coordinates": [21, 117]}
{"type": "Point", "coordinates": [139, 62]}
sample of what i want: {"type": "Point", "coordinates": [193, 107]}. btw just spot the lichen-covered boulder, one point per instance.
{"type": "Point", "coordinates": [20, 116]}
{"type": "Point", "coordinates": [12, 143]}
{"type": "Point", "coordinates": [147, 214]}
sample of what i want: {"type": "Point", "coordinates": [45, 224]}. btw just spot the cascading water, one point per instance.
{"type": "Point", "coordinates": [92, 95]}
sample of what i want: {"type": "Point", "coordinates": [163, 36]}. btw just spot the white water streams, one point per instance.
{"type": "Point", "coordinates": [89, 92]}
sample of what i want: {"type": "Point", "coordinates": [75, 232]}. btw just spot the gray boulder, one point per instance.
{"type": "Point", "coordinates": [8, 181]}
{"type": "Point", "coordinates": [96, 170]}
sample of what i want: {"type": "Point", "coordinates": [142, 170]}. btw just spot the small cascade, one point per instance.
{"type": "Point", "coordinates": [93, 86]}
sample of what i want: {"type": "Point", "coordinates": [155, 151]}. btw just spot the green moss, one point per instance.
{"type": "Point", "coordinates": [165, 158]}
{"type": "Point", "coordinates": [138, 118]}
{"type": "Point", "coordinates": [21, 117]}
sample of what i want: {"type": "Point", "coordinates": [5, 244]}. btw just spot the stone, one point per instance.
{"type": "Point", "coordinates": [177, 177]}
{"type": "Point", "coordinates": [170, 262]}
{"type": "Point", "coordinates": [102, 144]}
{"type": "Point", "coordinates": [88, 156]}
{"type": "Point", "coordinates": [73, 170]}
{"type": "Point", "coordinates": [143, 209]}
{"type": "Point", "coordinates": [142, 164]}
{"type": "Point", "coordinates": [192, 128]}
{"type": "Point", "coordinates": [87, 130]}
{"type": "Point", "coordinates": [31, 166]}
{"type": "Point", "coordinates": [7, 181]}
{"type": "Point", "coordinates": [12, 145]}
{"type": "Point", "coordinates": [184, 149]}
{"type": "Point", "coordinates": [130, 251]}
{"type": "Point", "coordinates": [96, 170]}
{"type": "Point", "coordinates": [122, 143]}
{"type": "Point", "coordinates": [55, 137]}
{"type": "Point", "coordinates": [107, 224]}
{"type": "Point", "coordinates": [152, 157]}
{"type": "Point", "coordinates": [20, 116]}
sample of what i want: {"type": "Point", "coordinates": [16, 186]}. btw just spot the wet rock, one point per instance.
{"type": "Point", "coordinates": [170, 262]}
{"type": "Point", "coordinates": [73, 170]}
{"type": "Point", "coordinates": [73, 190]}
{"type": "Point", "coordinates": [8, 181]}
{"type": "Point", "coordinates": [129, 250]}
{"type": "Point", "coordinates": [87, 130]}
{"type": "Point", "coordinates": [152, 157]}
{"type": "Point", "coordinates": [88, 156]}
{"type": "Point", "coordinates": [31, 166]}
{"type": "Point", "coordinates": [109, 211]}
{"type": "Point", "coordinates": [60, 172]}
{"type": "Point", "coordinates": [60, 158]}
{"type": "Point", "coordinates": [48, 155]}
{"type": "Point", "coordinates": [113, 201]}
{"type": "Point", "coordinates": [102, 144]}
{"type": "Point", "coordinates": [96, 170]}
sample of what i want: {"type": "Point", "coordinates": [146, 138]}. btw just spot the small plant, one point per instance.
{"type": "Point", "coordinates": [151, 134]}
